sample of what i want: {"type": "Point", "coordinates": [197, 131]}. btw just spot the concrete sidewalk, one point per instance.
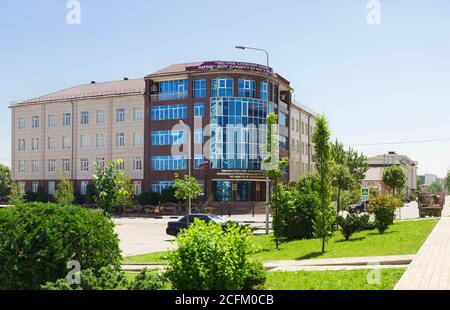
{"type": "Point", "coordinates": [430, 270]}
{"type": "Point", "coordinates": [346, 263]}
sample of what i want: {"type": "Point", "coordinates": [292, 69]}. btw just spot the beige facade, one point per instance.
{"type": "Point", "coordinates": [72, 130]}
{"type": "Point", "coordinates": [301, 148]}
{"type": "Point", "coordinates": [377, 164]}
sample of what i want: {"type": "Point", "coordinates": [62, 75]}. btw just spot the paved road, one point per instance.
{"type": "Point", "coordinates": [430, 270]}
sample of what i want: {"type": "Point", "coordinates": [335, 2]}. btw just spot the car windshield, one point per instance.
{"type": "Point", "coordinates": [217, 219]}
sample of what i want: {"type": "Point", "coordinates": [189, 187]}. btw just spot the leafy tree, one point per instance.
{"type": "Point", "coordinates": [343, 181]}
{"type": "Point", "coordinates": [324, 220]}
{"type": "Point", "coordinates": [357, 164]}
{"type": "Point", "coordinates": [149, 198]}
{"type": "Point", "coordinates": [435, 187]}
{"type": "Point", "coordinates": [383, 207]}
{"type": "Point", "coordinates": [419, 182]}
{"type": "Point", "coordinates": [16, 195]}
{"type": "Point", "coordinates": [64, 193]}
{"type": "Point", "coordinates": [447, 182]}
{"type": "Point", "coordinates": [186, 188]}
{"type": "Point", "coordinates": [111, 186]}
{"type": "Point", "coordinates": [5, 181]}
{"type": "Point", "coordinates": [339, 154]}
{"type": "Point", "coordinates": [395, 178]}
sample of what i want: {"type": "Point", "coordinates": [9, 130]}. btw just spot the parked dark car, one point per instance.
{"type": "Point", "coordinates": [359, 207]}
{"type": "Point", "coordinates": [175, 227]}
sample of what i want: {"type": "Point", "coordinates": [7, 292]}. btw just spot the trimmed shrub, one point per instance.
{"type": "Point", "coordinates": [110, 278]}
{"type": "Point", "coordinates": [39, 196]}
{"type": "Point", "coordinates": [37, 240]}
{"type": "Point", "coordinates": [106, 278]}
{"type": "Point", "coordinates": [256, 277]}
{"type": "Point", "coordinates": [207, 258]}
{"type": "Point", "coordinates": [351, 224]}
{"type": "Point", "coordinates": [383, 207]}
{"type": "Point", "coordinates": [296, 211]}
{"type": "Point", "coordinates": [149, 199]}
{"type": "Point", "coordinates": [168, 195]}
{"type": "Point", "coordinates": [148, 280]}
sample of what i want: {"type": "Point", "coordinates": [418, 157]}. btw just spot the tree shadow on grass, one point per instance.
{"type": "Point", "coordinates": [310, 255]}
{"type": "Point", "coordinates": [376, 233]}
{"type": "Point", "coordinates": [351, 239]}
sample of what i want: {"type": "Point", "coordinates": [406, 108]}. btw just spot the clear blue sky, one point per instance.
{"type": "Point", "coordinates": [375, 83]}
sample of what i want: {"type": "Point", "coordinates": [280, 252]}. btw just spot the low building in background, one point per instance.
{"type": "Point", "coordinates": [379, 163]}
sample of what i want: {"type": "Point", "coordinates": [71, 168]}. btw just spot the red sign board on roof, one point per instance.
{"type": "Point", "coordinates": [230, 65]}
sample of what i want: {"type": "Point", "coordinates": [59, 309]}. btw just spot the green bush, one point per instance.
{"type": "Point", "coordinates": [256, 277]}
{"type": "Point", "coordinates": [148, 280]}
{"type": "Point", "coordinates": [297, 204]}
{"type": "Point", "coordinates": [383, 207]}
{"type": "Point", "coordinates": [207, 258]}
{"type": "Point", "coordinates": [110, 278]}
{"type": "Point", "coordinates": [39, 196]}
{"type": "Point", "coordinates": [37, 240]}
{"type": "Point", "coordinates": [351, 224]}
{"type": "Point", "coordinates": [149, 199]}
{"type": "Point", "coordinates": [168, 195]}
{"type": "Point", "coordinates": [106, 278]}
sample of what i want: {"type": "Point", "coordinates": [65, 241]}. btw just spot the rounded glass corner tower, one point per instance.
{"type": "Point", "coordinates": [225, 105]}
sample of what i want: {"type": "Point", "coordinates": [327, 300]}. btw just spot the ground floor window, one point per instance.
{"type": "Point", "coordinates": [34, 187]}
{"type": "Point", "coordinates": [244, 191]}
{"type": "Point", "coordinates": [223, 191]}
{"type": "Point", "coordinates": [51, 187]}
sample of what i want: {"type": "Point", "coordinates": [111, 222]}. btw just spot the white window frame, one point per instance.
{"type": "Point", "coordinates": [21, 166]}
{"type": "Point", "coordinates": [120, 115]}
{"type": "Point", "coordinates": [51, 143]}
{"type": "Point", "coordinates": [84, 165]}
{"type": "Point", "coordinates": [137, 188]}
{"type": "Point", "coordinates": [22, 145]}
{"type": "Point", "coordinates": [100, 161]}
{"type": "Point", "coordinates": [35, 122]}
{"type": "Point", "coordinates": [120, 139]}
{"type": "Point", "coordinates": [34, 166]}
{"type": "Point", "coordinates": [84, 117]}
{"type": "Point", "coordinates": [66, 145]}
{"type": "Point", "coordinates": [35, 144]}
{"type": "Point", "coordinates": [66, 165]}
{"type": "Point", "coordinates": [21, 122]}
{"type": "Point", "coordinates": [137, 139]}
{"type": "Point", "coordinates": [83, 187]}
{"type": "Point", "coordinates": [84, 141]}
{"type": "Point", "coordinates": [100, 116]}
{"type": "Point", "coordinates": [137, 163]}
{"type": "Point", "coordinates": [100, 141]}
{"type": "Point", "coordinates": [137, 114]}
{"type": "Point", "coordinates": [51, 120]}
{"type": "Point", "coordinates": [35, 186]}
{"type": "Point", "coordinates": [51, 165]}
{"type": "Point", "coordinates": [51, 187]}
{"type": "Point", "coordinates": [67, 119]}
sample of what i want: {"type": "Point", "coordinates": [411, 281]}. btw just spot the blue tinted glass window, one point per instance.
{"type": "Point", "coordinates": [165, 112]}
{"type": "Point", "coordinates": [222, 87]}
{"type": "Point", "coordinates": [200, 88]}
{"type": "Point", "coordinates": [246, 88]}
{"type": "Point", "coordinates": [263, 95]}
{"type": "Point", "coordinates": [199, 109]}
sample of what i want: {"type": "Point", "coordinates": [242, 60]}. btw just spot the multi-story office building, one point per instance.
{"type": "Point", "coordinates": [69, 131]}
{"type": "Point", "coordinates": [216, 111]}
{"type": "Point", "coordinates": [224, 105]}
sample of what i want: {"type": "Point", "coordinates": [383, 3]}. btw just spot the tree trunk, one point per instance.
{"type": "Point", "coordinates": [323, 245]}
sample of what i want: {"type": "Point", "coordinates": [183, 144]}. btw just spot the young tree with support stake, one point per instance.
{"type": "Point", "coordinates": [186, 188]}
{"type": "Point", "coordinates": [324, 220]}
{"type": "Point", "coordinates": [112, 186]}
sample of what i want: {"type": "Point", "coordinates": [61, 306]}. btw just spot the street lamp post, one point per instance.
{"type": "Point", "coordinates": [267, 178]}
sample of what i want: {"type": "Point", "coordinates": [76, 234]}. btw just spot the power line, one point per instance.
{"type": "Point", "coordinates": [400, 142]}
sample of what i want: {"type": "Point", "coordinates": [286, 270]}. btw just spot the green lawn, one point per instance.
{"type": "Point", "coordinates": [404, 237]}
{"type": "Point", "coordinates": [325, 280]}
{"type": "Point", "coordinates": [332, 280]}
